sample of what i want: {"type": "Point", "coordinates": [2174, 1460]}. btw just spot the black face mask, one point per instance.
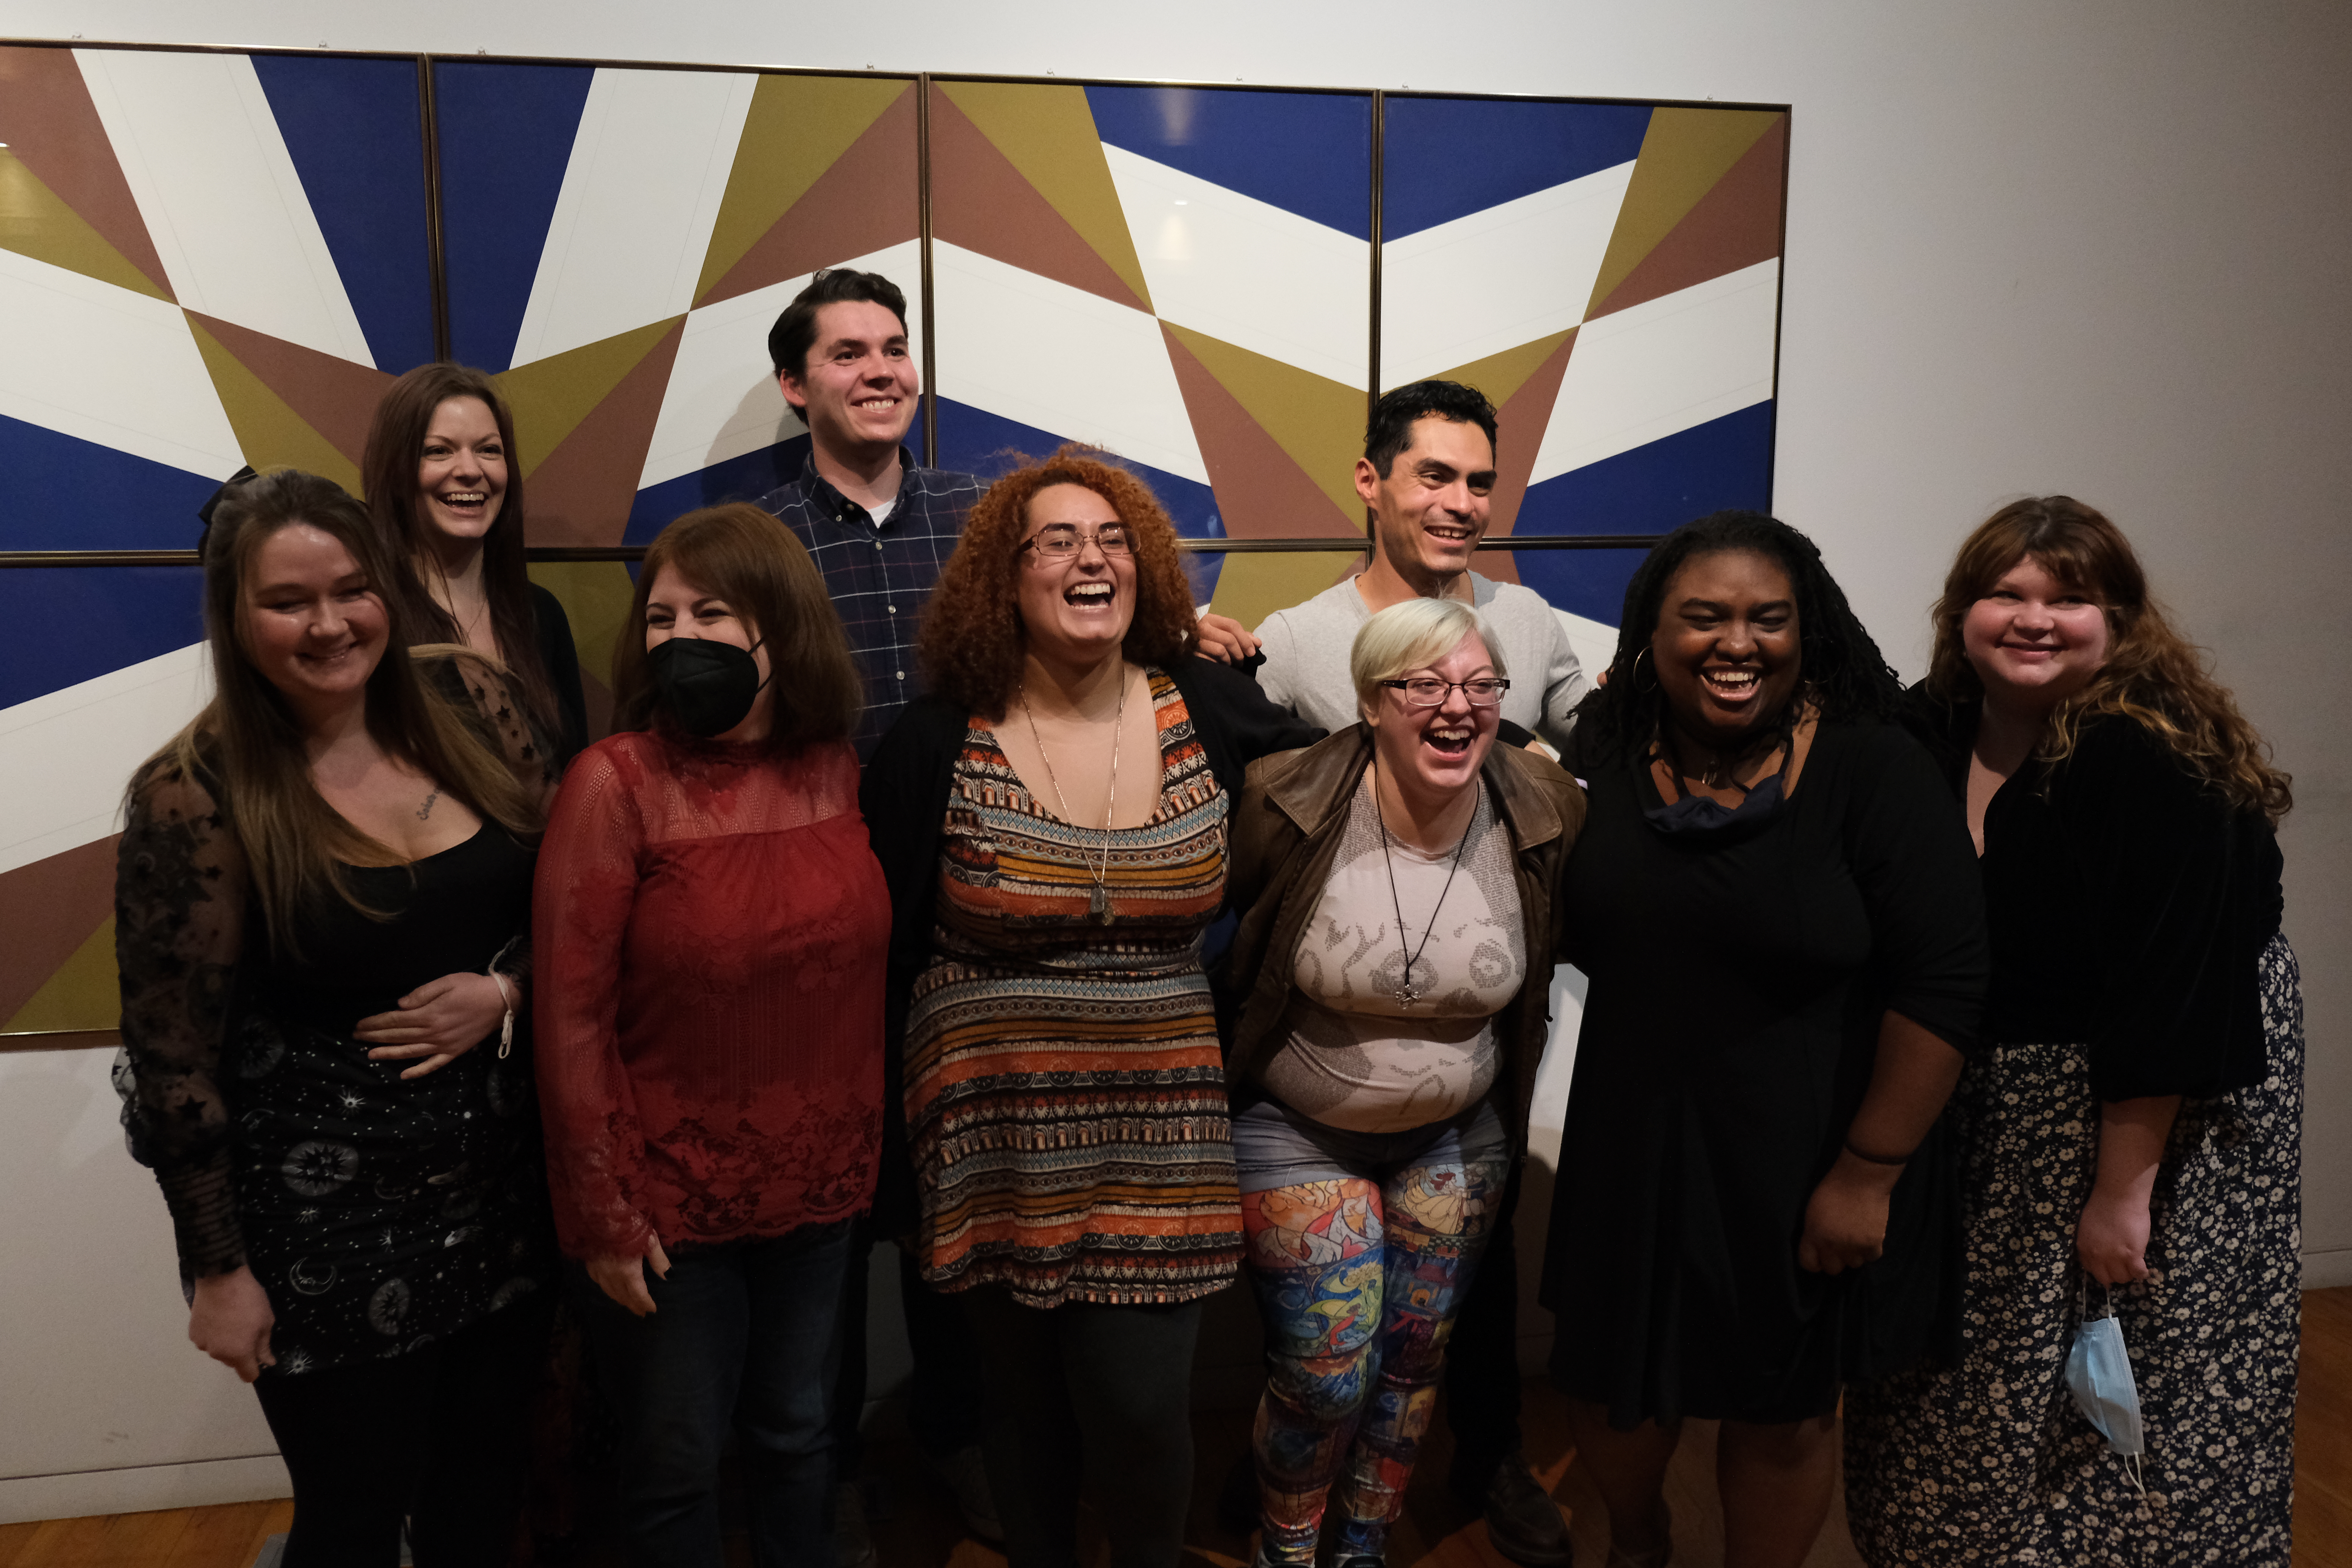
{"type": "Point", "coordinates": [709, 687]}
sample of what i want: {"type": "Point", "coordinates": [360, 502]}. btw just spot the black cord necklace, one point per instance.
{"type": "Point", "coordinates": [1409, 993]}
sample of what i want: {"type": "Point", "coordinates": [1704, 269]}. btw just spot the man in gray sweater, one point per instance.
{"type": "Point", "coordinates": [1427, 473]}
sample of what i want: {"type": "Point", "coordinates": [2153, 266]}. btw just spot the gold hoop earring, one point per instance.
{"type": "Point", "coordinates": [1634, 676]}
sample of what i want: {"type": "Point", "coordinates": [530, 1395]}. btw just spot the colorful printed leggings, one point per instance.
{"type": "Point", "coordinates": [1358, 1276]}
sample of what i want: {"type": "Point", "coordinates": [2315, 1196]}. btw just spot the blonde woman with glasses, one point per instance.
{"type": "Point", "coordinates": [1400, 880]}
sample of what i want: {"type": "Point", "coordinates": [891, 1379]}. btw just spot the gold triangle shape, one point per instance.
{"type": "Point", "coordinates": [1319, 422]}
{"type": "Point", "coordinates": [1499, 376]}
{"type": "Point", "coordinates": [550, 396]}
{"type": "Point", "coordinates": [1047, 133]}
{"type": "Point", "coordinates": [269, 432]}
{"type": "Point", "coordinates": [595, 598]}
{"type": "Point", "coordinates": [798, 127]}
{"type": "Point", "coordinates": [1684, 153]}
{"type": "Point", "coordinates": [36, 221]}
{"type": "Point", "coordinates": [82, 995]}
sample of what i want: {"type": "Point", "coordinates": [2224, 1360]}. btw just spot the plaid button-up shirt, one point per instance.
{"type": "Point", "coordinates": [880, 576]}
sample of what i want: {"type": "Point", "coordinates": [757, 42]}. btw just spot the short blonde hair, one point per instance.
{"type": "Point", "coordinates": [1411, 636]}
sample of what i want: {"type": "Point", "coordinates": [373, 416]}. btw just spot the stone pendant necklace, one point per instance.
{"type": "Point", "coordinates": [1409, 991]}
{"type": "Point", "coordinates": [1098, 903]}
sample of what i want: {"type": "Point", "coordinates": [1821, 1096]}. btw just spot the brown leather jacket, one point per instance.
{"type": "Point", "coordinates": [1285, 833]}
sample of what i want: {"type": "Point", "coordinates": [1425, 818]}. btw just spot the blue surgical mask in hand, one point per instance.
{"type": "Point", "coordinates": [2099, 1375]}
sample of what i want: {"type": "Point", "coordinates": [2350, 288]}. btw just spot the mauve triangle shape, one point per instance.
{"type": "Point", "coordinates": [581, 493]}
{"type": "Point", "coordinates": [52, 128]}
{"type": "Point", "coordinates": [1735, 224]}
{"type": "Point", "coordinates": [981, 201]}
{"type": "Point", "coordinates": [1262, 492]}
{"type": "Point", "coordinates": [334, 396]}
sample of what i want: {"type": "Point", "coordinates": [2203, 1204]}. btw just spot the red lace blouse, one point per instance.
{"type": "Point", "coordinates": [711, 931]}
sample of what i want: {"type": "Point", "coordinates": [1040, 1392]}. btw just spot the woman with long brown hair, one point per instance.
{"type": "Point", "coordinates": [713, 928]}
{"type": "Point", "coordinates": [322, 892]}
{"type": "Point", "coordinates": [444, 486]}
{"type": "Point", "coordinates": [1052, 823]}
{"type": "Point", "coordinates": [2131, 1142]}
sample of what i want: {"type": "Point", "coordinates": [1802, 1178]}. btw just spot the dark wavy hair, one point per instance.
{"type": "Point", "coordinates": [764, 572]}
{"type": "Point", "coordinates": [794, 333]}
{"type": "Point", "coordinates": [395, 444]}
{"type": "Point", "coordinates": [2153, 675]}
{"type": "Point", "coordinates": [973, 642]}
{"type": "Point", "coordinates": [1843, 672]}
{"type": "Point", "coordinates": [1390, 429]}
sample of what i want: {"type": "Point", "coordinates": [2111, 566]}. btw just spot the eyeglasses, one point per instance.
{"type": "Point", "coordinates": [1428, 691]}
{"type": "Point", "coordinates": [1061, 541]}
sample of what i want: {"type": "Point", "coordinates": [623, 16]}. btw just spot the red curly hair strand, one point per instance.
{"type": "Point", "coordinates": [971, 643]}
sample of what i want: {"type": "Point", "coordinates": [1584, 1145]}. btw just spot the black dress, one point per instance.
{"type": "Point", "coordinates": [1738, 979]}
{"type": "Point", "coordinates": [2134, 935]}
{"type": "Point", "coordinates": [377, 1213]}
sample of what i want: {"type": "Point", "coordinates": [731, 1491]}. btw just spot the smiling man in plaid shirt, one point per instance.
{"type": "Point", "coordinates": [878, 525]}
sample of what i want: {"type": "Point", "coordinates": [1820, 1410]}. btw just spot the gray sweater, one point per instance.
{"type": "Point", "coordinates": [1307, 648]}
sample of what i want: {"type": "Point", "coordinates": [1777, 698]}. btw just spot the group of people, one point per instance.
{"type": "Point", "coordinates": [947, 879]}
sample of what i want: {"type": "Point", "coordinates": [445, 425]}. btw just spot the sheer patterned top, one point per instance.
{"type": "Point", "coordinates": [710, 999]}
{"type": "Point", "coordinates": [188, 929]}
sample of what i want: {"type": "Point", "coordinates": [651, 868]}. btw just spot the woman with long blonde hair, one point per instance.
{"type": "Point", "coordinates": [2131, 1140]}
{"type": "Point", "coordinates": [322, 895]}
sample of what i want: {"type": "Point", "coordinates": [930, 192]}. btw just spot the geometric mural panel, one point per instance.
{"type": "Point", "coordinates": [212, 259]}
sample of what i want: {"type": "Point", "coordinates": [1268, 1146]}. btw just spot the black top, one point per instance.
{"type": "Point", "coordinates": [904, 798]}
{"type": "Point", "coordinates": [561, 661]}
{"type": "Point", "coordinates": [2130, 906]}
{"type": "Point", "coordinates": [1738, 976]}
{"type": "Point", "coordinates": [376, 1212]}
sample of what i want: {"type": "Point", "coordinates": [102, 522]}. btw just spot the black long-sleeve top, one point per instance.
{"type": "Point", "coordinates": [2128, 906]}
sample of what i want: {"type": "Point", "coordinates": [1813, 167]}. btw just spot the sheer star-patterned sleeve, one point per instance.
{"type": "Point", "coordinates": [504, 724]}
{"type": "Point", "coordinates": [180, 893]}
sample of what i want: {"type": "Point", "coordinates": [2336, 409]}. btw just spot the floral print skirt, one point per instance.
{"type": "Point", "coordinates": [1991, 1462]}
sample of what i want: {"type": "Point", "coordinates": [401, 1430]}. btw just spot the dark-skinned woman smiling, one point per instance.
{"type": "Point", "coordinates": [1785, 945]}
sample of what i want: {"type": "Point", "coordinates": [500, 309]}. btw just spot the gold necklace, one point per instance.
{"type": "Point", "coordinates": [1099, 905]}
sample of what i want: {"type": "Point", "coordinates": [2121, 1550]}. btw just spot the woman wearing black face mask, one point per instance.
{"type": "Point", "coordinates": [710, 1031]}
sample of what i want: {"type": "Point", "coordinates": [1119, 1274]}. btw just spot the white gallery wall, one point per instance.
{"type": "Point", "coordinates": [2097, 248]}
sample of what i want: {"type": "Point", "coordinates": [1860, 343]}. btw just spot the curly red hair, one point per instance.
{"type": "Point", "coordinates": [972, 642]}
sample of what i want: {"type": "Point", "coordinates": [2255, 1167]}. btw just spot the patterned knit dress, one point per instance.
{"type": "Point", "coordinates": [1065, 1091]}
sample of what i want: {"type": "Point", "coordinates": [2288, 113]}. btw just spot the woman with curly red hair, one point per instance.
{"type": "Point", "coordinates": [1051, 821]}
{"type": "Point", "coordinates": [2131, 1141]}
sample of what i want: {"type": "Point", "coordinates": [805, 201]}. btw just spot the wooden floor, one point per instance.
{"type": "Point", "coordinates": [916, 1529]}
